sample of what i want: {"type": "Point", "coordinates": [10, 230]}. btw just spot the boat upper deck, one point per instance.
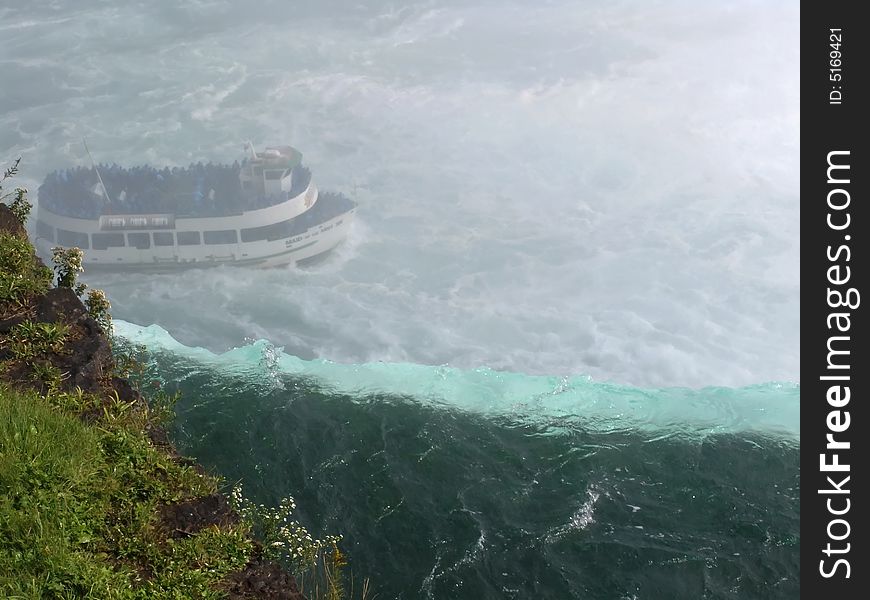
{"type": "Point", "coordinates": [200, 190]}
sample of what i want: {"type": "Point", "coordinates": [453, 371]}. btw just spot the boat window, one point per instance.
{"type": "Point", "coordinates": [104, 241]}
{"type": "Point", "coordinates": [254, 234]}
{"type": "Point", "coordinates": [188, 238]}
{"type": "Point", "coordinates": [274, 174]}
{"type": "Point", "coordinates": [276, 231]}
{"type": "Point", "coordinates": [72, 238]}
{"type": "Point", "coordinates": [45, 230]}
{"type": "Point", "coordinates": [163, 238]}
{"type": "Point", "coordinates": [225, 236]}
{"type": "Point", "coordinates": [142, 241]}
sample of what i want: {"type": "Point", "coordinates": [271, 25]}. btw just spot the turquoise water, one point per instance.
{"type": "Point", "coordinates": [480, 484]}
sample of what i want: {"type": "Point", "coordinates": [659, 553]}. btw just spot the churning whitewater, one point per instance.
{"type": "Point", "coordinates": [557, 355]}
{"type": "Point", "coordinates": [558, 188]}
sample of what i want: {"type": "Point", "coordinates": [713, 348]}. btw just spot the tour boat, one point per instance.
{"type": "Point", "coordinates": [264, 211]}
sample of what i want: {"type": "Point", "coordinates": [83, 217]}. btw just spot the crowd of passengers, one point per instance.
{"type": "Point", "coordinates": [199, 190]}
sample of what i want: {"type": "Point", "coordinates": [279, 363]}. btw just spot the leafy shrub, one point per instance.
{"type": "Point", "coordinates": [21, 276]}
{"type": "Point", "coordinates": [67, 265]}
{"type": "Point", "coordinates": [284, 538]}
{"type": "Point", "coordinates": [20, 206]}
{"type": "Point", "coordinates": [98, 307]}
{"type": "Point", "coordinates": [30, 339]}
{"type": "Point", "coordinates": [289, 542]}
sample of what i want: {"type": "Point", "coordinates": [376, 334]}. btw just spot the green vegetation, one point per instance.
{"type": "Point", "coordinates": [29, 339]}
{"type": "Point", "coordinates": [68, 265]}
{"type": "Point", "coordinates": [98, 307]}
{"type": "Point", "coordinates": [22, 277]}
{"type": "Point", "coordinates": [83, 484]}
{"type": "Point", "coordinates": [318, 563]}
{"type": "Point", "coordinates": [20, 206]}
{"type": "Point", "coordinates": [77, 513]}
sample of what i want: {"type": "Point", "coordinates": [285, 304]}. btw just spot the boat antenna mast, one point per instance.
{"type": "Point", "coordinates": [103, 185]}
{"type": "Point", "coordinates": [249, 145]}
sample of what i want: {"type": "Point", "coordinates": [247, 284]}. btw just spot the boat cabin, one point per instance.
{"type": "Point", "coordinates": [269, 173]}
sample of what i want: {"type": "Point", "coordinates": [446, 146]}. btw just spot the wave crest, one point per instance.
{"type": "Point", "coordinates": [560, 402]}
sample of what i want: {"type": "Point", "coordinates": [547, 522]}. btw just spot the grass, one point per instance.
{"type": "Point", "coordinates": [78, 506]}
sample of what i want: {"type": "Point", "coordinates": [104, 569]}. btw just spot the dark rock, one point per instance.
{"type": "Point", "coordinates": [60, 305]}
{"type": "Point", "coordinates": [263, 579]}
{"type": "Point", "coordinates": [7, 324]}
{"type": "Point", "coordinates": [160, 438]}
{"type": "Point", "coordinates": [126, 392]}
{"type": "Point", "coordinates": [87, 360]}
{"type": "Point", "coordinates": [9, 223]}
{"type": "Point", "coordinates": [187, 518]}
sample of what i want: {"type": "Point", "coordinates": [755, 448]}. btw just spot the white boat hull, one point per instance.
{"type": "Point", "coordinates": [261, 253]}
{"type": "Point", "coordinates": [315, 241]}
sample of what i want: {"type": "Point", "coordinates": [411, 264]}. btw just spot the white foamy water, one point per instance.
{"type": "Point", "coordinates": [559, 188]}
{"type": "Point", "coordinates": [560, 404]}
